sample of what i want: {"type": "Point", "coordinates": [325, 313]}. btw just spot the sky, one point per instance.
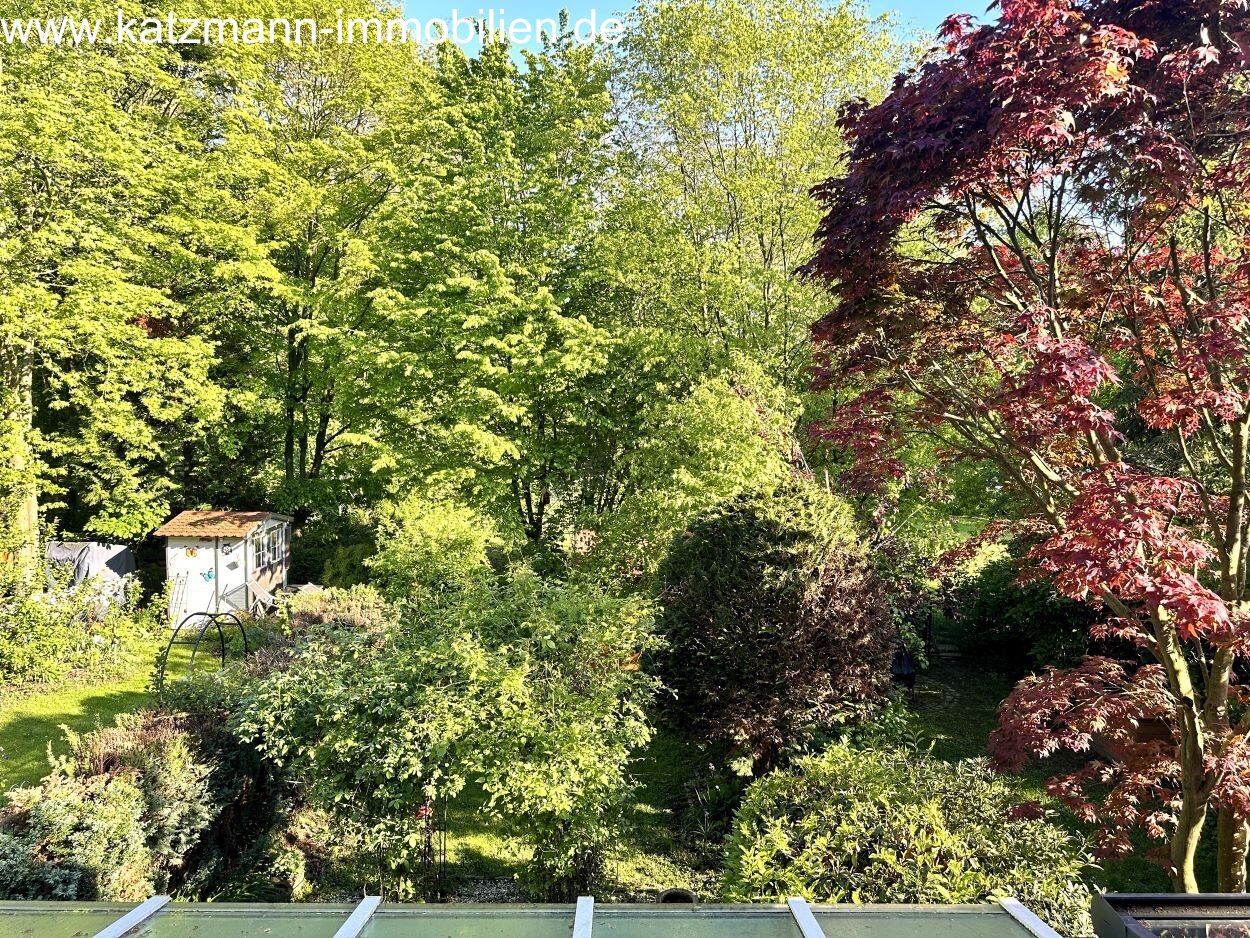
{"type": "Point", "coordinates": [927, 15]}
{"type": "Point", "coordinates": [914, 15]}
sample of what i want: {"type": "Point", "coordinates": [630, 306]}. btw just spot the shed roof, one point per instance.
{"type": "Point", "coordinates": [214, 523]}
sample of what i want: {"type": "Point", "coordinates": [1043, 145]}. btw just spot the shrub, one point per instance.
{"type": "Point", "coordinates": [899, 826]}
{"type": "Point", "coordinates": [429, 547]}
{"type": "Point", "coordinates": [245, 790]}
{"type": "Point", "coordinates": [1019, 626]}
{"type": "Point", "coordinates": [528, 689]}
{"type": "Point", "coordinates": [332, 548]}
{"type": "Point", "coordinates": [114, 820]}
{"type": "Point", "coordinates": [356, 609]}
{"type": "Point", "coordinates": [46, 634]}
{"type": "Point", "coordinates": [776, 624]}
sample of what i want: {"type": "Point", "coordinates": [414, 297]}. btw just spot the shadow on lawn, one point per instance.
{"type": "Point", "coordinates": [31, 725]}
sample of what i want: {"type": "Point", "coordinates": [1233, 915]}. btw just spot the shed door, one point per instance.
{"type": "Point", "coordinates": [198, 565]}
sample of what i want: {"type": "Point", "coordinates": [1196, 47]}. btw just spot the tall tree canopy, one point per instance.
{"type": "Point", "coordinates": [1039, 255]}
{"type": "Point", "coordinates": [99, 185]}
{"type": "Point", "coordinates": [729, 111]}
{"type": "Point", "coordinates": [317, 276]}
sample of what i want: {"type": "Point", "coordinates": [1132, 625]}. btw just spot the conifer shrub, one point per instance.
{"type": "Point", "coordinates": [776, 625]}
{"type": "Point", "coordinates": [114, 820]}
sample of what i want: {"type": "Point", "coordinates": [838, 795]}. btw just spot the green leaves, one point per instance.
{"type": "Point", "coordinates": [524, 691]}
{"type": "Point", "coordinates": [85, 316]}
{"type": "Point", "coordinates": [898, 826]}
{"type": "Point", "coordinates": [730, 110]}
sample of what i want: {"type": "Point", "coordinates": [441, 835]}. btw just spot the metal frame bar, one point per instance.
{"type": "Point", "coordinates": [136, 916]}
{"type": "Point", "coordinates": [1032, 924]}
{"type": "Point", "coordinates": [584, 917]}
{"type": "Point", "coordinates": [803, 917]}
{"type": "Point", "coordinates": [359, 918]}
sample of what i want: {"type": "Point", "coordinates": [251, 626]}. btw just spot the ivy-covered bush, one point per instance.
{"type": "Point", "coordinates": [46, 633]}
{"type": "Point", "coordinates": [776, 625]}
{"type": "Point", "coordinates": [899, 826]}
{"type": "Point", "coordinates": [530, 690]}
{"type": "Point", "coordinates": [1017, 626]}
{"type": "Point", "coordinates": [114, 820]}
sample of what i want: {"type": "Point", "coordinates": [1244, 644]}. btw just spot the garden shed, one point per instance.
{"type": "Point", "coordinates": [225, 561]}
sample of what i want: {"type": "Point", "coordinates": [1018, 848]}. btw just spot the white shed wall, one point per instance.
{"type": "Point", "coordinates": [211, 568]}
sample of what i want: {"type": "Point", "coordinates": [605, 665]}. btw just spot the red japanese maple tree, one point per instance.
{"type": "Point", "coordinates": [1040, 253]}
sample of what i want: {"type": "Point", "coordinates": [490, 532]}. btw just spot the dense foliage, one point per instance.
{"type": "Point", "coordinates": [44, 634]}
{"type": "Point", "coordinates": [899, 826]}
{"type": "Point", "coordinates": [531, 692]}
{"type": "Point", "coordinates": [1038, 256]}
{"type": "Point", "coordinates": [429, 547]}
{"type": "Point", "coordinates": [321, 277]}
{"type": "Point", "coordinates": [115, 820]}
{"type": "Point", "coordinates": [775, 623]}
{"type": "Point", "coordinates": [514, 336]}
{"type": "Point", "coordinates": [1019, 626]}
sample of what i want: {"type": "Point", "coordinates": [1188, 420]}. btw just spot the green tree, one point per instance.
{"type": "Point", "coordinates": [311, 137]}
{"type": "Point", "coordinates": [97, 388]}
{"type": "Point", "coordinates": [493, 273]}
{"type": "Point", "coordinates": [730, 111]}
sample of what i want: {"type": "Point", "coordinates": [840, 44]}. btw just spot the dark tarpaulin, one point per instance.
{"type": "Point", "coordinates": [107, 565]}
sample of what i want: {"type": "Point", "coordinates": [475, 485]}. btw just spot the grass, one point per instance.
{"type": "Point", "coordinates": [32, 722]}
{"type": "Point", "coordinates": [654, 854]}
{"type": "Point", "coordinates": [955, 707]}
{"type": "Point", "coordinates": [31, 719]}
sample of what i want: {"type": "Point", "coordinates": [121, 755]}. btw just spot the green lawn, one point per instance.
{"type": "Point", "coordinates": [29, 723]}
{"type": "Point", "coordinates": [31, 718]}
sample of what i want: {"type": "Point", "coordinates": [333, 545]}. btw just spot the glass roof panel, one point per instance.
{"type": "Point", "coordinates": [989, 921]}
{"type": "Point", "coordinates": [469, 922]}
{"type": "Point", "coordinates": [693, 922]}
{"type": "Point", "coordinates": [256, 920]}
{"type": "Point", "coordinates": [37, 920]}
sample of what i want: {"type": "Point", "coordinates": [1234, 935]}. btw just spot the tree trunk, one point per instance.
{"type": "Point", "coordinates": [1185, 843]}
{"type": "Point", "coordinates": [21, 528]}
{"type": "Point", "coordinates": [1233, 837]}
